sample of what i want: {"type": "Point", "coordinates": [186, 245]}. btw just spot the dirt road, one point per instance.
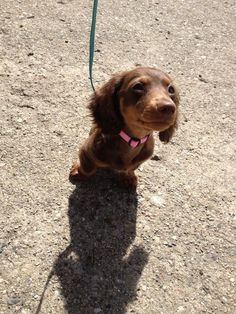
{"type": "Point", "coordinates": [169, 248]}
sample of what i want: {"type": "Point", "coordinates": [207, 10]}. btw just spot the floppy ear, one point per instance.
{"type": "Point", "coordinates": [105, 106]}
{"type": "Point", "coordinates": [166, 135]}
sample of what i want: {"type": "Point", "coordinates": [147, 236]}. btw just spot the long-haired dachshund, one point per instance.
{"type": "Point", "coordinates": [126, 110]}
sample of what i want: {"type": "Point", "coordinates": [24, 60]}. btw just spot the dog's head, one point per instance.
{"type": "Point", "coordinates": [144, 98]}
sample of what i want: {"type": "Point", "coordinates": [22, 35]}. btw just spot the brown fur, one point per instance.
{"type": "Point", "coordinates": [139, 102]}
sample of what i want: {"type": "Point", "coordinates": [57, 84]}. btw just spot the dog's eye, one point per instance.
{"type": "Point", "coordinates": [139, 88]}
{"type": "Point", "coordinates": [171, 89]}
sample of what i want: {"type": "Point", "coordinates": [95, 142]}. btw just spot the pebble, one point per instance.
{"type": "Point", "coordinates": [164, 288]}
{"type": "Point", "coordinates": [141, 199]}
{"type": "Point", "coordinates": [57, 294]}
{"type": "Point", "coordinates": [13, 301]}
{"type": "Point", "coordinates": [2, 246]}
{"type": "Point", "coordinates": [144, 288]}
{"type": "Point", "coordinates": [224, 300]}
{"type": "Point", "coordinates": [36, 297]}
{"type": "Point", "coordinates": [25, 311]}
{"type": "Point", "coordinates": [57, 216]}
{"type": "Point", "coordinates": [180, 309]}
{"type": "Point", "coordinates": [58, 132]}
{"type": "Point", "coordinates": [157, 200]}
{"type": "Point", "coordinates": [202, 79]}
{"type": "Point", "coordinates": [97, 310]}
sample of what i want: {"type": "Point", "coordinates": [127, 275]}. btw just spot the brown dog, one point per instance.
{"type": "Point", "coordinates": [126, 111]}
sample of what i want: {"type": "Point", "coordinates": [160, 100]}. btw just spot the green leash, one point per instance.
{"type": "Point", "coordinates": [92, 42]}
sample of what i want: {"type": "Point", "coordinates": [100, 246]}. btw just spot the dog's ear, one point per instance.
{"type": "Point", "coordinates": [166, 135]}
{"type": "Point", "coordinates": [105, 106]}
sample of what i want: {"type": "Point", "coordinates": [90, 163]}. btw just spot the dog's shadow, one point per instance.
{"type": "Point", "coordinates": [99, 271]}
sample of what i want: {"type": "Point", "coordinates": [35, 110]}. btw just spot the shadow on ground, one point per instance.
{"type": "Point", "coordinates": [97, 271]}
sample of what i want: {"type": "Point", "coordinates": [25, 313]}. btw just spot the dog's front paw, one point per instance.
{"type": "Point", "coordinates": [76, 174]}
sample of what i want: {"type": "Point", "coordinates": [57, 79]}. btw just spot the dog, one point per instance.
{"type": "Point", "coordinates": [126, 111]}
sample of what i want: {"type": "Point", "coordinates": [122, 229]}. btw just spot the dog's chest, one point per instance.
{"type": "Point", "coordinates": [119, 155]}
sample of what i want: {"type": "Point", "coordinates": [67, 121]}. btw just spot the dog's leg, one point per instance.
{"type": "Point", "coordinates": [82, 168]}
{"type": "Point", "coordinates": [128, 179]}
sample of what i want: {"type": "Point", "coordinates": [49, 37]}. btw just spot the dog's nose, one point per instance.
{"type": "Point", "coordinates": [167, 109]}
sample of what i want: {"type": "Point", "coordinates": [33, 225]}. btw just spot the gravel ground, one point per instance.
{"type": "Point", "coordinates": [95, 248]}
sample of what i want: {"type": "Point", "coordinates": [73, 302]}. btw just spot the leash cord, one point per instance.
{"type": "Point", "coordinates": [92, 42]}
{"type": "Point", "coordinates": [38, 310]}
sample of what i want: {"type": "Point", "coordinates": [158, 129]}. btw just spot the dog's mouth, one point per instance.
{"type": "Point", "coordinates": [162, 116]}
{"type": "Point", "coordinates": [156, 124]}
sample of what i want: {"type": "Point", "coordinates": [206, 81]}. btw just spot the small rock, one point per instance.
{"type": "Point", "coordinates": [157, 200]}
{"type": "Point", "coordinates": [57, 216]}
{"type": "Point", "coordinates": [141, 199]}
{"type": "Point", "coordinates": [57, 294]}
{"type": "Point", "coordinates": [224, 300]}
{"type": "Point", "coordinates": [202, 79]}
{"type": "Point", "coordinates": [58, 132]}
{"type": "Point", "coordinates": [180, 309]}
{"type": "Point", "coordinates": [156, 158]}
{"type": "Point", "coordinates": [36, 297]}
{"type": "Point", "coordinates": [2, 246]}
{"type": "Point", "coordinates": [97, 310]}
{"type": "Point", "coordinates": [25, 311]}
{"type": "Point", "coordinates": [13, 301]}
{"type": "Point", "coordinates": [169, 244]}
{"type": "Point", "coordinates": [141, 168]}
{"type": "Point", "coordinates": [164, 288]}
{"type": "Point", "coordinates": [144, 288]}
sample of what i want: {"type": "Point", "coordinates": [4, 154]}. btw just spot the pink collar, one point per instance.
{"type": "Point", "coordinates": [133, 142]}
